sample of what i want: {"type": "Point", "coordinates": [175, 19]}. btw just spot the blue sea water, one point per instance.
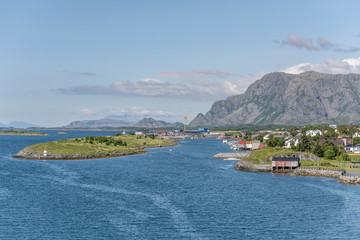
{"type": "Point", "coordinates": [178, 194]}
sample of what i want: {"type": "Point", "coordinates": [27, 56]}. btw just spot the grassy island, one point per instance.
{"type": "Point", "coordinates": [93, 147]}
{"type": "Point", "coordinates": [23, 133]}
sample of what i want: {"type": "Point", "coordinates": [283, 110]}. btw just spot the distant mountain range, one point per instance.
{"type": "Point", "coordinates": [289, 99]}
{"type": "Point", "coordinates": [144, 123]}
{"type": "Point", "coordinates": [152, 123]}
{"type": "Point", "coordinates": [105, 122]}
{"type": "Point", "coordinates": [18, 124]}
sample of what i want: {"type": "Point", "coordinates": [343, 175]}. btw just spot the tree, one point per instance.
{"type": "Point", "coordinates": [329, 153]}
{"type": "Point", "coordinates": [304, 143]}
{"type": "Point", "coordinates": [293, 133]}
{"type": "Point", "coordinates": [329, 145]}
{"type": "Point", "coordinates": [318, 150]}
{"type": "Point", "coordinates": [356, 140]}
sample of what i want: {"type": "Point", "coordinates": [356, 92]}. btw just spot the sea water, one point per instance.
{"type": "Point", "coordinates": [168, 193]}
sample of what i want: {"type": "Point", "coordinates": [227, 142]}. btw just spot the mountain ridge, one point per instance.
{"type": "Point", "coordinates": [152, 123]}
{"type": "Point", "coordinates": [289, 99]}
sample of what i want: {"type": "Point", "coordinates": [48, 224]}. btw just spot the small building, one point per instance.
{"type": "Point", "coordinates": [357, 134]}
{"type": "Point", "coordinates": [142, 132]}
{"type": "Point", "coordinates": [347, 141]}
{"type": "Point", "coordinates": [249, 145]}
{"type": "Point", "coordinates": [285, 163]}
{"type": "Point", "coordinates": [255, 144]}
{"type": "Point", "coordinates": [203, 130]}
{"type": "Point", "coordinates": [290, 141]}
{"type": "Point", "coordinates": [313, 133]}
{"type": "Point", "coordinates": [162, 133]}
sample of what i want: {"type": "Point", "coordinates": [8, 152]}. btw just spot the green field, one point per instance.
{"type": "Point", "coordinates": [263, 155]}
{"type": "Point", "coordinates": [98, 145]}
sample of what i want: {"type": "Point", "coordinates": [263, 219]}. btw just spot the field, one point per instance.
{"type": "Point", "coordinates": [261, 156]}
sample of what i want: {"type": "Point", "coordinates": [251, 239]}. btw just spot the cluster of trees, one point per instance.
{"type": "Point", "coordinates": [107, 140]}
{"type": "Point", "coordinates": [275, 142]}
{"type": "Point", "coordinates": [327, 149]}
{"type": "Point", "coordinates": [307, 144]}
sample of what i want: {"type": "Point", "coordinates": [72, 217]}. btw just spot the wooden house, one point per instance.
{"type": "Point", "coordinates": [285, 163]}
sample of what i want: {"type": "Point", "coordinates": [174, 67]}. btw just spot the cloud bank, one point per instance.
{"type": "Point", "coordinates": [348, 65]}
{"type": "Point", "coordinates": [319, 44]}
{"type": "Point", "coordinates": [197, 87]}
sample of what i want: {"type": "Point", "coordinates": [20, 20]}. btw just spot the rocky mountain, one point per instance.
{"type": "Point", "coordinates": [99, 123]}
{"type": "Point", "coordinates": [289, 99]}
{"type": "Point", "coordinates": [152, 123]}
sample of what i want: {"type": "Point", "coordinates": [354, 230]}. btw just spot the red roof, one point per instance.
{"type": "Point", "coordinates": [241, 142]}
{"type": "Point", "coordinates": [248, 142]}
{"type": "Point", "coordinates": [261, 146]}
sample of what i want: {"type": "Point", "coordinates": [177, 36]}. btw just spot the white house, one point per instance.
{"type": "Point", "coordinates": [288, 142]}
{"type": "Point", "coordinates": [313, 133]}
{"type": "Point", "coordinates": [357, 134]}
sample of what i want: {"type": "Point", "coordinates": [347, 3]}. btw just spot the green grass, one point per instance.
{"type": "Point", "coordinates": [76, 146]}
{"type": "Point", "coordinates": [263, 155]}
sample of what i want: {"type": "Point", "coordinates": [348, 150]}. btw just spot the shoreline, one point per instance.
{"type": "Point", "coordinates": [339, 174]}
{"type": "Point", "coordinates": [87, 156]}
{"type": "Point", "coordinates": [14, 134]}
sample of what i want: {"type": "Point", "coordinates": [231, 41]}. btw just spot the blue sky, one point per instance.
{"type": "Point", "coordinates": [65, 60]}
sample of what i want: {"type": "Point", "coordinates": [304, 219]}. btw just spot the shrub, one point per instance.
{"type": "Point", "coordinates": [345, 157]}
{"type": "Point", "coordinates": [329, 153]}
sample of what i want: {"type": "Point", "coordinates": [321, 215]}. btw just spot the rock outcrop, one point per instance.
{"type": "Point", "coordinates": [249, 166]}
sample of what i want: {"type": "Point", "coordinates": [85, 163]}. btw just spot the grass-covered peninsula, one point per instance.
{"type": "Point", "coordinates": [93, 147]}
{"type": "Point", "coordinates": [22, 133]}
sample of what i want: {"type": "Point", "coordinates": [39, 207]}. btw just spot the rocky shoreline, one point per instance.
{"type": "Point", "coordinates": [25, 134]}
{"type": "Point", "coordinates": [249, 166]}
{"type": "Point", "coordinates": [24, 154]}
{"type": "Point", "coordinates": [319, 172]}
{"type": "Point", "coordinates": [340, 174]}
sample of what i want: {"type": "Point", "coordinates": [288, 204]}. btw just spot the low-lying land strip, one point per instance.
{"type": "Point", "coordinates": [23, 133]}
{"type": "Point", "coordinates": [92, 147]}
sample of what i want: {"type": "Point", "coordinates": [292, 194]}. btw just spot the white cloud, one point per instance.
{"type": "Point", "coordinates": [299, 42]}
{"type": "Point", "coordinates": [348, 65]}
{"type": "Point", "coordinates": [195, 88]}
{"type": "Point", "coordinates": [310, 45]}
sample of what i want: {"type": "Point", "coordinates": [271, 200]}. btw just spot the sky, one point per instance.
{"type": "Point", "coordinates": [66, 60]}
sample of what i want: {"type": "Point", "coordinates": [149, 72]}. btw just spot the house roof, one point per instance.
{"type": "Point", "coordinates": [285, 159]}
{"type": "Point", "coordinates": [335, 141]}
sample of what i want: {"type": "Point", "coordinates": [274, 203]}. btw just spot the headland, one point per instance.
{"type": "Point", "coordinates": [92, 147]}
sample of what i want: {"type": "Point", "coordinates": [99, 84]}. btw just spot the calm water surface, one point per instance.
{"type": "Point", "coordinates": [178, 194]}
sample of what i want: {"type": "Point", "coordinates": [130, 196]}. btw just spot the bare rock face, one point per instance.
{"type": "Point", "coordinates": [289, 99]}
